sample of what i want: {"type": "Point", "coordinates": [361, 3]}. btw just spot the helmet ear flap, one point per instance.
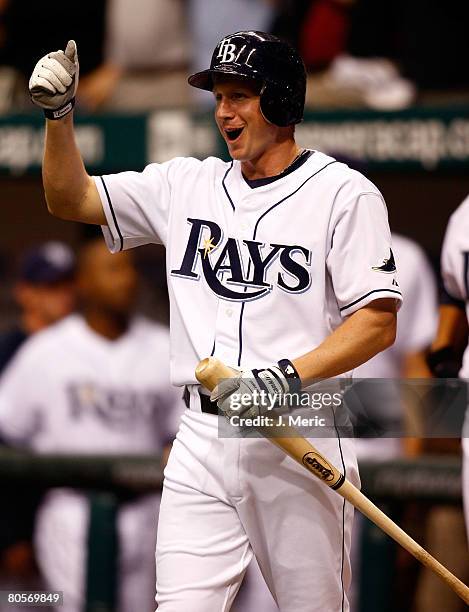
{"type": "Point", "coordinates": [271, 109]}
{"type": "Point", "coordinates": [276, 106]}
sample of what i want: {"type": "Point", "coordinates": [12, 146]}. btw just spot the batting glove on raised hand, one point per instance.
{"type": "Point", "coordinates": [254, 392]}
{"type": "Point", "coordinates": [54, 81]}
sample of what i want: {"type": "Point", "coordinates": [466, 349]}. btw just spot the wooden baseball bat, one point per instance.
{"type": "Point", "coordinates": [211, 370]}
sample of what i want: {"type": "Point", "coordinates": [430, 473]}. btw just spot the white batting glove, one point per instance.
{"type": "Point", "coordinates": [54, 82]}
{"type": "Point", "coordinates": [254, 392]}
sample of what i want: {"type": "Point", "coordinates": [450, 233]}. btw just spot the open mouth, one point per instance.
{"type": "Point", "coordinates": [233, 133]}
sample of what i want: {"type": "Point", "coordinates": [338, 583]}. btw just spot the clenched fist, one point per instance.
{"type": "Point", "coordinates": [54, 82]}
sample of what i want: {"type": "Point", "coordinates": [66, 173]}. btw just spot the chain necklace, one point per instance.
{"type": "Point", "coordinates": [300, 154]}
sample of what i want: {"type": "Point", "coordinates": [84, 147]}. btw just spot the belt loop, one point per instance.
{"type": "Point", "coordinates": [186, 397]}
{"type": "Point", "coordinates": [197, 402]}
{"type": "Point", "coordinates": [191, 397]}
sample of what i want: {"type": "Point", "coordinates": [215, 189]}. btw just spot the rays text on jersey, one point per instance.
{"type": "Point", "coordinates": [239, 269]}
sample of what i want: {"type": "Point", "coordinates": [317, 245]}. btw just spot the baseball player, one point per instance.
{"type": "Point", "coordinates": [94, 383]}
{"type": "Point", "coordinates": [279, 262]}
{"type": "Point", "coordinates": [416, 328]}
{"type": "Point", "coordinates": [454, 316]}
{"type": "Point", "coordinates": [43, 291]}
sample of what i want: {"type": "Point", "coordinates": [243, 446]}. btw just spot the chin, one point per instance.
{"type": "Point", "coordinates": [240, 154]}
{"type": "Point", "coordinates": [236, 153]}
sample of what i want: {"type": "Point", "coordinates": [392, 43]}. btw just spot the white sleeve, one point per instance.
{"type": "Point", "coordinates": [452, 258]}
{"type": "Point", "coordinates": [21, 416]}
{"type": "Point", "coordinates": [418, 317]}
{"type": "Point", "coordinates": [137, 204]}
{"type": "Point", "coordinates": [360, 261]}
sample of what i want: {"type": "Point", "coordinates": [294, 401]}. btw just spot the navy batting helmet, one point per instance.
{"type": "Point", "coordinates": [264, 58]}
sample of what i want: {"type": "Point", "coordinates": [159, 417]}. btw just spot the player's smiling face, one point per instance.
{"type": "Point", "coordinates": [238, 116]}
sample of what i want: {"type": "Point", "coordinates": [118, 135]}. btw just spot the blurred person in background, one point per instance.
{"type": "Point", "coordinates": [44, 293]}
{"type": "Point", "coordinates": [382, 400]}
{"type": "Point", "coordinates": [449, 358]}
{"type": "Point", "coordinates": [97, 382]}
{"type": "Point", "coordinates": [416, 327]}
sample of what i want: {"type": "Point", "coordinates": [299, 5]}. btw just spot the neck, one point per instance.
{"type": "Point", "coordinates": [271, 162]}
{"type": "Point", "coordinates": [32, 322]}
{"type": "Point", "coordinates": [106, 324]}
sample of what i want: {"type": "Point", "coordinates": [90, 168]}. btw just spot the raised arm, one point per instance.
{"type": "Point", "coordinates": [70, 192]}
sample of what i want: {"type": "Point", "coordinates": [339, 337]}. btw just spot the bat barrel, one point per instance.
{"type": "Point", "coordinates": [368, 508]}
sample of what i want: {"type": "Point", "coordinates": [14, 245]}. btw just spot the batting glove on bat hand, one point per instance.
{"type": "Point", "coordinates": [253, 392]}
{"type": "Point", "coordinates": [54, 82]}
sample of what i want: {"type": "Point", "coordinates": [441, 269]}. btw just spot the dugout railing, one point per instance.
{"type": "Point", "coordinates": [110, 480]}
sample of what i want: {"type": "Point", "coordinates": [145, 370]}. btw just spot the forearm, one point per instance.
{"type": "Point", "coordinates": [64, 176]}
{"type": "Point", "coordinates": [452, 327]}
{"type": "Point", "coordinates": [367, 332]}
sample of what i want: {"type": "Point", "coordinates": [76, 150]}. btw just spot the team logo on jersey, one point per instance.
{"type": "Point", "coordinates": [119, 409]}
{"type": "Point", "coordinates": [238, 269]}
{"type": "Point", "coordinates": [388, 266]}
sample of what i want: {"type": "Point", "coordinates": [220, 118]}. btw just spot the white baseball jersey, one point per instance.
{"type": "Point", "coordinates": [455, 272]}
{"type": "Point", "coordinates": [455, 264]}
{"type": "Point", "coordinates": [70, 390]}
{"type": "Point", "coordinates": [254, 275]}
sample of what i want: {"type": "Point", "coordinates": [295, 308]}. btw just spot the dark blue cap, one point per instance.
{"type": "Point", "coordinates": [47, 263]}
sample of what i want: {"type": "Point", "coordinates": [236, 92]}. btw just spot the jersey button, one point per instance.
{"type": "Point", "coordinates": [229, 312]}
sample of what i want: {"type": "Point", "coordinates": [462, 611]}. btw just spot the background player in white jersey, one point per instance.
{"type": "Point", "coordinates": [454, 316]}
{"type": "Point", "coordinates": [94, 383]}
{"type": "Point", "coordinates": [444, 528]}
{"type": "Point", "coordinates": [416, 328]}
{"type": "Point", "coordinates": [279, 253]}
{"type": "Point", "coordinates": [44, 293]}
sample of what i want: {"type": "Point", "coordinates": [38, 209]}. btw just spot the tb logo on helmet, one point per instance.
{"type": "Point", "coordinates": [228, 54]}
